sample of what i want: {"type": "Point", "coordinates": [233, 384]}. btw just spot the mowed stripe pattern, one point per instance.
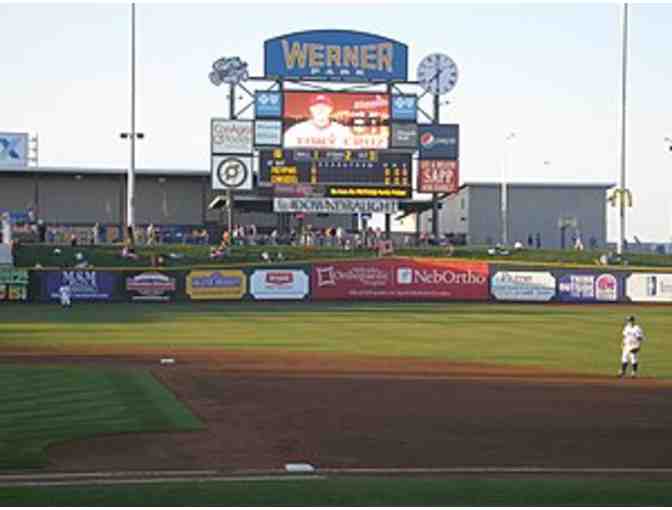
{"type": "Point", "coordinates": [40, 406]}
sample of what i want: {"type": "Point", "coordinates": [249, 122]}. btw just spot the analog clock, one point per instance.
{"type": "Point", "coordinates": [437, 73]}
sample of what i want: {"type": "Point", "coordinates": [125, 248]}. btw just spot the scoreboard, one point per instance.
{"type": "Point", "coordinates": [365, 167]}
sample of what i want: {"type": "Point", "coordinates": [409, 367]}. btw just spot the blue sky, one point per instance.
{"type": "Point", "coordinates": [549, 72]}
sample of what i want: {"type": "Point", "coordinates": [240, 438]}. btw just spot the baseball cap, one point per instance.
{"type": "Point", "coordinates": [321, 99]}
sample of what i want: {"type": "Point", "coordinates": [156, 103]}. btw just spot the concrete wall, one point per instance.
{"type": "Point", "coordinates": [484, 214]}
{"type": "Point", "coordinates": [17, 192]}
{"type": "Point", "coordinates": [169, 200]}
{"type": "Point", "coordinates": [79, 198]}
{"type": "Point", "coordinates": [537, 210]}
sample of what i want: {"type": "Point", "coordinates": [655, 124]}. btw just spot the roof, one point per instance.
{"type": "Point", "coordinates": [557, 184]}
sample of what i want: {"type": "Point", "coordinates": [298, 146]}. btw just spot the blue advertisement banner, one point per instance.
{"type": "Point", "coordinates": [439, 141]}
{"type": "Point", "coordinates": [335, 55]}
{"type": "Point", "coordinates": [84, 284]}
{"type": "Point", "coordinates": [590, 287]}
{"type": "Point", "coordinates": [267, 104]}
{"type": "Point", "coordinates": [404, 107]}
{"type": "Point", "coordinates": [13, 149]}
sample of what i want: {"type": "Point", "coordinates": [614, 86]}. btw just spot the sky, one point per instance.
{"type": "Point", "coordinates": [550, 73]}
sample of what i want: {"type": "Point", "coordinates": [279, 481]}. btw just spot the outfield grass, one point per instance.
{"type": "Point", "coordinates": [354, 492]}
{"type": "Point", "coordinates": [575, 338]}
{"type": "Point", "coordinates": [40, 406]}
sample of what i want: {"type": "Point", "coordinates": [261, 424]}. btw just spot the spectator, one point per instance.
{"type": "Point", "coordinates": [73, 239]}
{"type": "Point", "coordinates": [128, 252]}
{"type": "Point", "coordinates": [41, 231]}
{"type": "Point", "coordinates": [95, 233]}
{"type": "Point", "coordinates": [538, 240]}
{"type": "Point", "coordinates": [151, 232]}
{"type": "Point", "coordinates": [530, 241]}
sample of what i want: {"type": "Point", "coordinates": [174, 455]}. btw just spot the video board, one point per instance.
{"type": "Point", "coordinates": [334, 167]}
{"type": "Point", "coordinates": [336, 120]}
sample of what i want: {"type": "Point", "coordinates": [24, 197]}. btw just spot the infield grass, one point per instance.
{"type": "Point", "coordinates": [41, 406]}
{"type": "Point", "coordinates": [570, 338]}
{"type": "Point", "coordinates": [354, 492]}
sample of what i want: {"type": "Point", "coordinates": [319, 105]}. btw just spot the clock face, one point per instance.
{"type": "Point", "coordinates": [437, 73]}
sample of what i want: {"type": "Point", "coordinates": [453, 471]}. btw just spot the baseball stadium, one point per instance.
{"type": "Point", "coordinates": [245, 337]}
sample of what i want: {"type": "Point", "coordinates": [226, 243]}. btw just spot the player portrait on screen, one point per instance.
{"type": "Point", "coordinates": [336, 121]}
{"type": "Point", "coordinates": [319, 131]}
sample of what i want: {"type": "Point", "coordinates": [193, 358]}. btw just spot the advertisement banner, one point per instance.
{"type": "Point", "coordinates": [279, 284]}
{"type": "Point", "coordinates": [268, 133]}
{"type": "Point", "coordinates": [335, 205]}
{"type": "Point", "coordinates": [404, 107]}
{"type": "Point", "coordinates": [231, 172]}
{"type": "Point", "coordinates": [231, 136]}
{"type": "Point", "coordinates": [586, 287]}
{"type": "Point", "coordinates": [336, 120]}
{"type": "Point", "coordinates": [13, 285]}
{"type": "Point", "coordinates": [438, 176]}
{"type": "Point", "coordinates": [650, 287]}
{"type": "Point", "coordinates": [13, 149]}
{"type": "Point", "coordinates": [84, 285]}
{"type": "Point", "coordinates": [368, 192]}
{"type": "Point", "coordinates": [202, 285]}
{"type": "Point", "coordinates": [523, 286]}
{"type": "Point", "coordinates": [267, 104]}
{"type": "Point", "coordinates": [335, 55]}
{"type": "Point", "coordinates": [401, 279]}
{"type": "Point", "coordinates": [404, 136]}
{"type": "Point", "coordinates": [150, 286]}
{"type": "Point", "coordinates": [439, 141]}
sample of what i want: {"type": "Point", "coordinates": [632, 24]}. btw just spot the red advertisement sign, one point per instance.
{"type": "Point", "coordinates": [401, 279]}
{"type": "Point", "coordinates": [333, 120]}
{"type": "Point", "coordinates": [438, 176]}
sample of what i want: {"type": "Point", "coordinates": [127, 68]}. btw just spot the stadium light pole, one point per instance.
{"type": "Point", "coordinates": [622, 191]}
{"type": "Point", "coordinates": [132, 136]}
{"type": "Point", "coordinates": [505, 199]}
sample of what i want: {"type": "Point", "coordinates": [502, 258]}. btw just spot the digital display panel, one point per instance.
{"type": "Point", "coordinates": [336, 120]}
{"type": "Point", "coordinates": [294, 167]}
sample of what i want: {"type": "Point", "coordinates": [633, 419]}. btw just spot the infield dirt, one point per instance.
{"type": "Point", "coordinates": [263, 409]}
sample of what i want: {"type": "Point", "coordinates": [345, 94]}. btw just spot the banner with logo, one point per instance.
{"type": "Point", "coordinates": [279, 284]}
{"type": "Point", "coordinates": [85, 285]}
{"type": "Point", "coordinates": [438, 176]}
{"type": "Point", "coordinates": [231, 172]}
{"type": "Point", "coordinates": [13, 149]}
{"type": "Point", "coordinates": [14, 285]}
{"type": "Point", "coordinates": [267, 104]}
{"type": "Point", "coordinates": [401, 279]}
{"type": "Point", "coordinates": [211, 285]}
{"type": "Point", "coordinates": [404, 107]}
{"type": "Point", "coordinates": [152, 286]}
{"type": "Point", "coordinates": [589, 287]}
{"type": "Point", "coordinates": [440, 141]}
{"type": "Point", "coordinates": [335, 55]}
{"type": "Point", "coordinates": [523, 286]}
{"type": "Point", "coordinates": [268, 133]}
{"type": "Point", "coordinates": [231, 136]}
{"type": "Point", "coordinates": [335, 205]}
{"type": "Point", "coordinates": [404, 136]}
{"type": "Point", "coordinates": [650, 287]}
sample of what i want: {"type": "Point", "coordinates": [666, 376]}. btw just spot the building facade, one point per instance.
{"type": "Point", "coordinates": [554, 213]}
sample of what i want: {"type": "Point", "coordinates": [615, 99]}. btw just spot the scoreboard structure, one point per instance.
{"type": "Point", "coordinates": [354, 136]}
{"type": "Point", "coordinates": [334, 167]}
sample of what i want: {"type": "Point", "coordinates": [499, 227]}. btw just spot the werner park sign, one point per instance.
{"type": "Point", "coordinates": [336, 55]}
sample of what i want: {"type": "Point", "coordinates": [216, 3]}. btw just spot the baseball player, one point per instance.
{"type": "Point", "coordinates": [633, 336]}
{"type": "Point", "coordinates": [65, 294]}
